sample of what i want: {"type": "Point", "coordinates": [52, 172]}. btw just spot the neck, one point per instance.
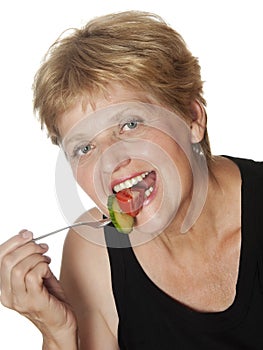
{"type": "Point", "coordinates": [220, 214]}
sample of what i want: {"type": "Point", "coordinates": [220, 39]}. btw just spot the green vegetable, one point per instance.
{"type": "Point", "coordinates": [122, 221]}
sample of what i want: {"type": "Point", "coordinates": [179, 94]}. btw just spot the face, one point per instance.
{"type": "Point", "coordinates": [122, 139]}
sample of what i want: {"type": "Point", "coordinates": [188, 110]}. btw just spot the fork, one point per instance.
{"type": "Point", "coordinates": [94, 224]}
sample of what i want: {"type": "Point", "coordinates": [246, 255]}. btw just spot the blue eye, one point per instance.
{"type": "Point", "coordinates": [132, 124]}
{"type": "Point", "coordinates": [85, 149]}
{"type": "Point", "coordinates": [82, 150]}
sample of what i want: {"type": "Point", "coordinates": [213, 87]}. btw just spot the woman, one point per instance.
{"type": "Point", "coordinates": [123, 99]}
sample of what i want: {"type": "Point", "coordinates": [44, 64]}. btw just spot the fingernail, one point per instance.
{"type": "Point", "coordinates": [43, 245]}
{"type": "Point", "coordinates": [21, 231]}
{"type": "Point", "coordinates": [47, 258]}
{"type": "Point", "coordinates": [26, 234]}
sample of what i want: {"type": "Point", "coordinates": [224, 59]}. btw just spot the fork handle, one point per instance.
{"type": "Point", "coordinates": [56, 231]}
{"type": "Point", "coordinates": [95, 224]}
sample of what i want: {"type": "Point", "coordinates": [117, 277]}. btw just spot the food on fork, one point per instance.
{"type": "Point", "coordinates": [128, 202]}
{"type": "Point", "coordinates": [122, 221]}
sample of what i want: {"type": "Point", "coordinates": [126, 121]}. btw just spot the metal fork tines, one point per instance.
{"type": "Point", "coordinates": [94, 224]}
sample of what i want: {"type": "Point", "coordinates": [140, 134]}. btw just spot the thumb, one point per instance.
{"type": "Point", "coordinates": [53, 286]}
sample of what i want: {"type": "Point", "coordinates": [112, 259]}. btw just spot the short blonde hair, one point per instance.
{"type": "Point", "coordinates": [137, 48]}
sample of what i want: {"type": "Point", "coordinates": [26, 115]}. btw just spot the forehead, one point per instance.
{"type": "Point", "coordinates": [116, 94]}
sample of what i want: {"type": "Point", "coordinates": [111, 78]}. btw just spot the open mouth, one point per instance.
{"type": "Point", "coordinates": [144, 182]}
{"type": "Point", "coordinates": [135, 192]}
{"type": "Point", "coordinates": [129, 198]}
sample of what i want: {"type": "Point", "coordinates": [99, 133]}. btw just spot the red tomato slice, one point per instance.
{"type": "Point", "coordinates": [131, 201]}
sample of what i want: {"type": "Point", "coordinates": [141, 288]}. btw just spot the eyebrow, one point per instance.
{"type": "Point", "coordinates": [77, 137]}
{"type": "Point", "coordinates": [111, 117]}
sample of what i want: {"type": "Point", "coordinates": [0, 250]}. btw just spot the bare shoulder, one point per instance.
{"type": "Point", "coordinates": [226, 172]}
{"type": "Point", "coordinates": [86, 276]}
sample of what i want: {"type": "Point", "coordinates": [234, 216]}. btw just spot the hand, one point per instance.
{"type": "Point", "coordinates": [29, 287]}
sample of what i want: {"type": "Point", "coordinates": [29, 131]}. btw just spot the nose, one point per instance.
{"type": "Point", "coordinates": [114, 158]}
{"type": "Point", "coordinates": [114, 154]}
{"type": "Point", "coordinates": [122, 164]}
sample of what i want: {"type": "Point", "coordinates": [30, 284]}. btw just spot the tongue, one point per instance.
{"type": "Point", "coordinates": [131, 199]}
{"type": "Point", "coordinates": [147, 182]}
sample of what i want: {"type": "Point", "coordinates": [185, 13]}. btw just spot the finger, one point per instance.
{"type": "Point", "coordinates": [19, 272]}
{"type": "Point", "coordinates": [14, 242]}
{"type": "Point", "coordinates": [15, 256]}
{"type": "Point", "coordinates": [53, 286]}
{"type": "Point", "coordinates": [36, 291]}
{"type": "Point", "coordinates": [32, 299]}
{"type": "Point", "coordinates": [10, 260]}
{"type": "Point", "coordinates": [14, 295]}
{"type": "Point", "coordinates": [43, 306]}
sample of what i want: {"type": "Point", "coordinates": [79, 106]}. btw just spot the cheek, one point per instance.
{"type": "Point", "coordinates": [175, 177]}
{"type": "Point", "coordinates": [174, 151]}
{"type": "Point", "coordinates": [84, 178]}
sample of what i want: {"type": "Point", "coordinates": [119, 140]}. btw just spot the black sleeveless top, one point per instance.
{"type": "Point", "coordinates": [149, 319]}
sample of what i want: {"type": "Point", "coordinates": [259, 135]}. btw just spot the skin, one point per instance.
{"type": "Point", "coordinates": [206, 257]}
{"type": "Point", "coordinates": [29, 287]}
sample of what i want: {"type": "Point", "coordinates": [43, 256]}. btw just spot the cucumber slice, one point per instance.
{"type": "Point", "coordinates": [122, 221]}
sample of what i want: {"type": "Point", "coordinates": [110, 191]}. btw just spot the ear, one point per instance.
{"type": "Point", "coordinates": [199, 120]}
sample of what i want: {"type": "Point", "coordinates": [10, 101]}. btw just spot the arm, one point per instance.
{"type": "Point", "coordinates": [29, 287]}
{"type": "Point", "coordinates": [86, 279]}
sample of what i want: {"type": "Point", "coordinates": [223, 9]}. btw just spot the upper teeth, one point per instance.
{"type": "Point", "coordinates": [131, 182]}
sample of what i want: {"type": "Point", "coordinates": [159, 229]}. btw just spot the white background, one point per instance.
{"type": "Point", "coordinates": [226, 35]}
